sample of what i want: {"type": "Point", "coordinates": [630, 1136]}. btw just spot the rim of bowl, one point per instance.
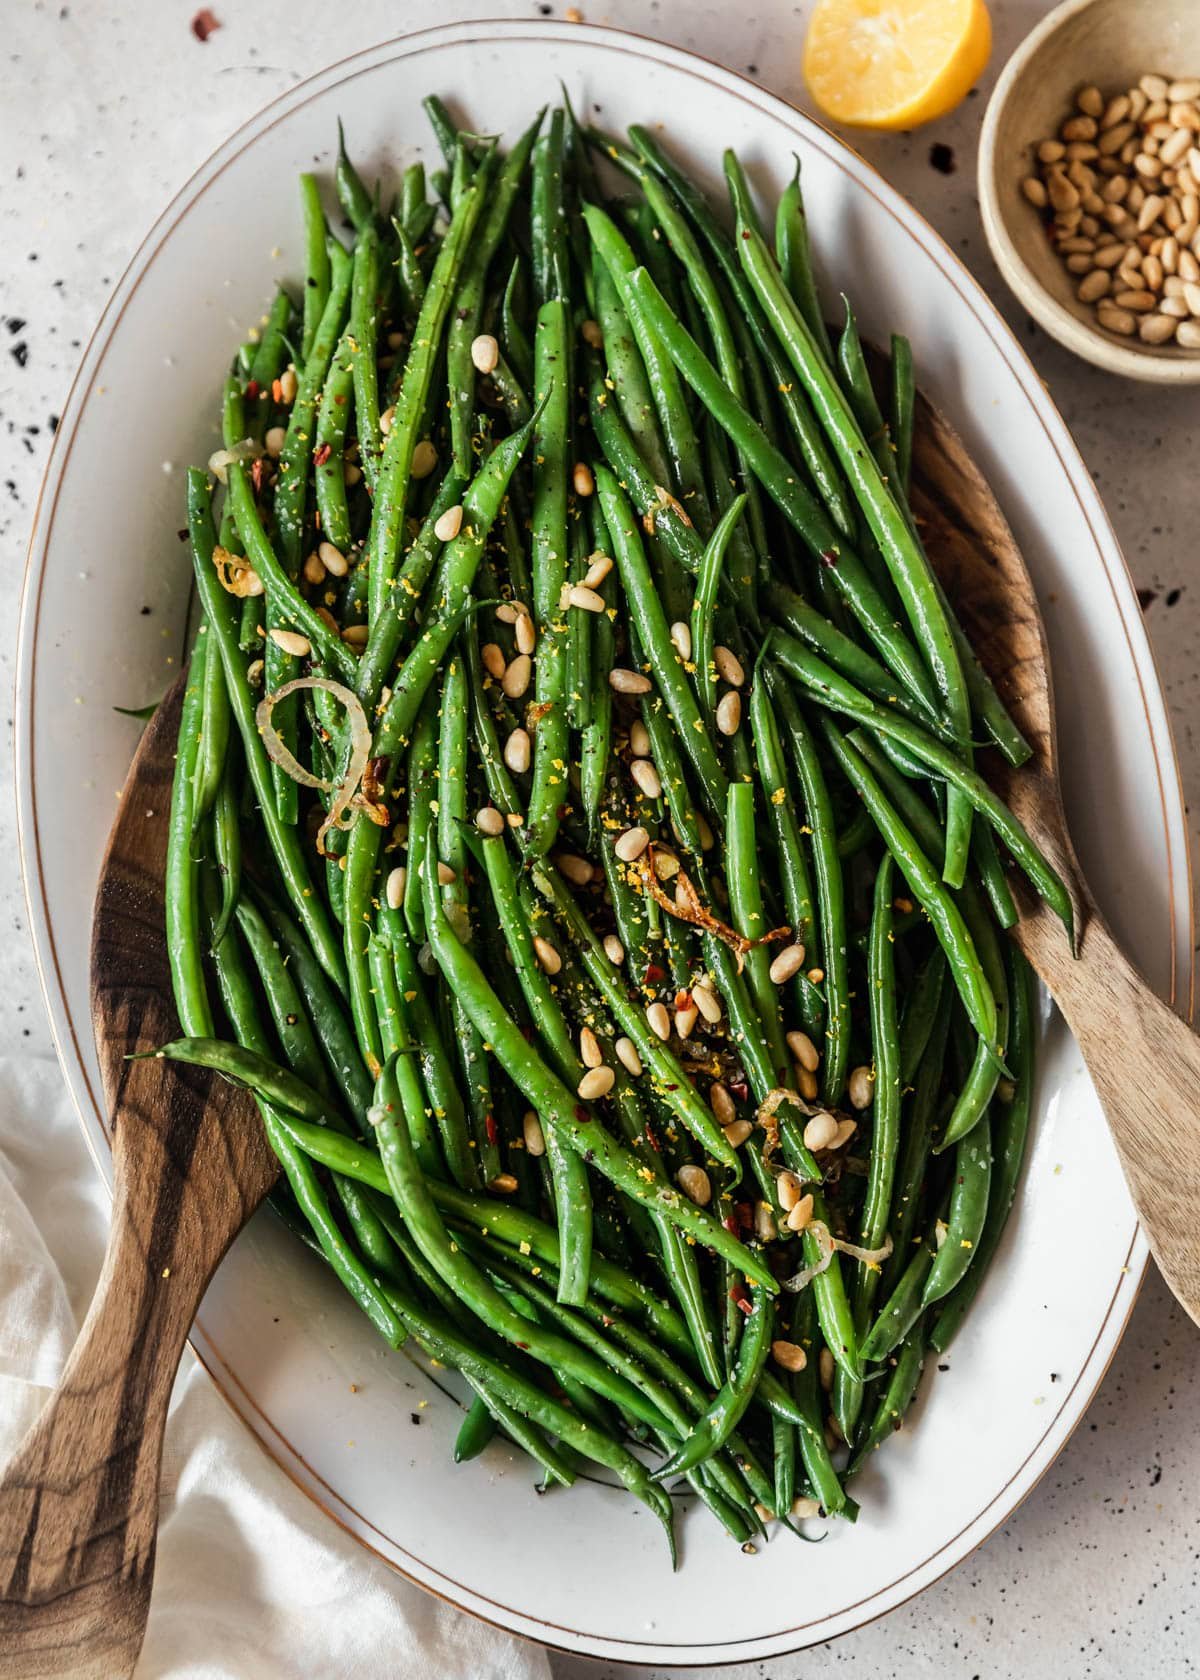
{"type": "Point", "coordinates": [1087, 342]}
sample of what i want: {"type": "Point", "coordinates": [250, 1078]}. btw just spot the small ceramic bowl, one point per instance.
{"type": "Point", "coordinates": [1111, 44]}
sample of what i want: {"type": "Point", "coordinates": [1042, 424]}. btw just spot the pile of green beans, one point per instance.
{"type": "Point", "coordinates": [636, 1024]}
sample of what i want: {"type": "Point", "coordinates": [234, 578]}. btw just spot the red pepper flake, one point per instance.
{"type": "Point", "coordinates": [252, 389]}
{"type": "Point", "coordinates": [258, 474]}
{"type": "Point", "coordinates": [581, 1114]}
{"type": "Point", "coordinates": [653, 974]}
{"type": "Point", "coordinates": [739, 1298]}
{"type": "Point", "coordinates": [829, 557]}
{"type": "Point", "coordinates": [489, 1123]}
{"type": "Point", "coordinates": [744, 1214]}
{"type": "Point", "coordinates": [731, 1225]}
{"type": "Point", "coordinates": [321, 455]}
{"type": "Point", "coordinates": [204, 23]}
{"type": "Point", "coordinates": [651, 1139]}
{"type": "Point", "coordinates": [738, 1090]}
{"type": "Point", "coordinates": [521, 1345]}
{"type": "Point", "coordinates": [746, 1305]}
{"type": "Point", "coordinates": [683, 1000]}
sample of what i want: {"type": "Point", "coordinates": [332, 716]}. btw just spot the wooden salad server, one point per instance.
{"type": "Point", "coordinates": [79, 1502]}
{"type": "Point", "coordinates": [1144, 1060]}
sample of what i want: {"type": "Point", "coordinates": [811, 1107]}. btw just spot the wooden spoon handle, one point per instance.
{"type": "Point", "coordinates": [79, 1502]}
{"type": "Point", "coordinates": [1145, 1064]}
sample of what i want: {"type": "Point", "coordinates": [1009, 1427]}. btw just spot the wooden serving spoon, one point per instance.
{"type": "Point", "coordinates": [79, 1502]}
{"type": "Point", "coordinates": [1143, 1059]}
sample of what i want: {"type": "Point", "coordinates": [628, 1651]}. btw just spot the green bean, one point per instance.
{"type": "Point", "coordinates": [516, 341]}
{"type": "Point", "coordinates": [917, 1146]}
{"type": "Point", "coordinates": [550, 544]}
{"type": "Point", "coordinates": [284, 1002]}
{"type": "Point", "coordinates": [213, 727]}
{"type": "Point", "coordinates": [410, 276]}
{"type": "Point", "coordinates": [904, 393]}
{"type": "Point", "coordinates": [1010, 1131]}
{"type": "Point", "coordinates": [830, 885]}
{"type": "Point", "coordinates": [329, 459]}
{"type": "Point", "coordinates": [596, 745]}
{"type": "Point", "coordinates": [704, 605]}
{"type": "Point", "coordinates": [317, 268]}
{"type": "Point", "coordinates": [181, 894]}
{"type": "Point", "coordinates": [282, 838]}
{"type": "Point", "coordinates": [779, 480]}
{"type": "Point", "coordinates": [627, 372]}
{"type": "Point", "coordinates": [886, 1088]}
{"type": "Point", "coordinates": [814, 1453]}
{"type": "Point", "coordinates": [896, 1397]}
{"type": "Point", "coordinates": [724, 1412]}
{"type": "Point", "coordinates": [355, 200]}
{"type": "Point", "coordinates": [749, 918]}
{"type": "Point", "coordinates": [227, 849]}
{"type": "Point", "coordinates": [395, 466]}
{"type": "Point", "coordinates": [903, 1306]}
{"type": "Point", "coordinates": [920, 1013]}
{"type": "Point", "coordinates": [972, 1101]}
{"type": "Point", "coordinates": [267, 362]}
{"type": "Point", "coordinates": [547, 213]}
{"type": "Point", "coordinates": [362, 344]}
{"type": "Point", "coordinates": [795, 260]}
{"type": "Point", "coordinates": [968, 1211]}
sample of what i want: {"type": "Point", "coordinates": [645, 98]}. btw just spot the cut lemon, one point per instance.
{"type": "Point", "coordinates": [894, 63]}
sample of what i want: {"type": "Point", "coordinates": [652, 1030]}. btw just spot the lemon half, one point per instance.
{"type": "Point", "coordinates": [894, 63]}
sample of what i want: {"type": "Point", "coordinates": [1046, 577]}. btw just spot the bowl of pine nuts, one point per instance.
{"type": "Point", "coordinates": [1089, 183]}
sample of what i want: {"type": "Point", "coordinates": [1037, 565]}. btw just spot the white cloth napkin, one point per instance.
{"type": "Point", "coordinates": [252, 1580]}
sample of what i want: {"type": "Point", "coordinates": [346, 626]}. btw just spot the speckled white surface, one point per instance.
{"type": "Point", "coordinates": [107, 110]}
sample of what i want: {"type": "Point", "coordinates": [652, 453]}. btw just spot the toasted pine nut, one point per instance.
{"type": "Point", "coordinates": [516, 752]}
{"type": "Point", "coordinates": [291, 641]}
{"type": "Point", "coordinates": [446, 874]}
{"type": "Point", "coordinates": [681, 639]}
{"type": "Point", "coordinates": [288, 384]}
{"type": "Point", "coordinates": [1034, 191]}
{"type": "Point", "coordinates": [659, 1021]}
{"type": "Point", "coordinates": [722, 1104]}
{"type": "Point", "coordinates": [424, 459]}
{"type": "Point", "coordinates": [582, 479]}
{"type": "Point", "coordinates": [590, 1053]}
{"type": "Point", "coordinates": [489, 821]}
{"type": "Point", "coordinates": [587, 600]}
{"type": "Point", "coordinates": [639, 739]}
{"type": "Point", "coordinates": [789, 1190]}
{"type": "Point", "coordinates": [485, 353]}
{"type": "Point", "coordinates": [597, 1082]}
{"type": "Point", "coordinates": [1156, 329]}
{"type": "Point", "coordinates": [356, 635]}
{"type": "Point", "coordinates": [516, 677]}
{"type": "Point", "coordinates": [729, 667]}
{"type": "Point", "coordinates": [598, 569]}
{"type": "Point", "coordinates": [525, 634]}
{"type": "Point", "coordinates": [503, 1184]}
{"type": "Point", "coordinates": [576, 869]}
{"type": "Point", "coordinates": [820, 1131]}
{"type": "Point", "coordinates": [695, 1184]}
{"type": "Point", "coordinates": [765, 1228]}
{"type": "Point", "coordinates": [729, 712]}
{"type": "Point", "coordinates": [804, 1050]}
{"type": "Point", "coordinates": [1090, 101]}
{"type": "Point", "coordinates": [807, 1084]}
{"type": "Point", "coordinates": [535, 1138]}
{"type": "Point", "coordinates": [736, 1134]}
{"type": "Point", "coordinates": [628, 1057]}
{"type": "Point", "coordinates": [790, 1355]}
{"type": "Point", "coordinates": [631, 844]}
{"type": "Point", "coordinates": [313, 570]}
{"type": "Point", "coordinates": [1187, 334]}
{"type": "Point", "coordinates": [646, 776]}
{"type": "Point", "coordinates": [628, 682]}
{"type": "Point", "coordinates": [789, 962]}
{"type": "Point", "coordinates": [1140, 302]}
{"type": "Point", "coordinates": [685, 1020]}
{"type": "Point", "coordinates": [546, 955]}
{"type": "Point", "coordinates": [386, 419]}
{"type": "Point", "coordinates": [801, 1215]}
{"type": "Point", "coordinates": [614, 950]}
{"type": "Point", "coordinates": [494, 662]}
{"type": "Point", "coordinates": [507, 611]}
{"type": "Point", "coordinates": [1117, 320]}
{"type": "Point", "coordinates": [860, 1087]}
{"type": "Point", "coordinates": [1154, 87]}
{"type": "Point", "coordinates": [846, 1130]}
{"type": "Point", "coordinates": [396, 882]}
{"type": "Point", "coordinates": [450, 524]}
{"type": "Point", "coordinates": [707, 1002]}
{"type": "Point", "coordinates": [1094, 286]}
{"type": "Point", "coordinates": [333, 560]}
{"type": "Point", "coordinates": [1050, 151]}
{"type": "Point", "coordinates": [274, 441]}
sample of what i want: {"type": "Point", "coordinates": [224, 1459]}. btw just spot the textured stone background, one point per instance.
{"type": "Point", "coordinates": [106, 111]}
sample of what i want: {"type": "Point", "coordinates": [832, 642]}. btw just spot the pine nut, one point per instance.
{"type": "Point", "coordinates": [503, 1184]}
{"type": "Point", "coordinates": [825, 1369]}
{"type": "Point", "coordinates": [1189, 267]}
{"type": "Point", "coordinates": [516, 677]}
{"type": "Point", "coordinates": [1174, 149]}
{"type": "Point", "coordinates": [292, 642]}
{"type": "Point", "coordinates": [525, 633]}
{"type": "Point", "coordinates": [493, 659]}
{"type": "Point", "coordinates": [1117, 320]}
{"type": "Point", "coordinates": [807, 1083]}
{"type": "Point", "coordinates": [446, 875]}
{"type": "Point", "coordinates": [1079, 263]}
{"type": "Point", "coordinates": [1191, 296]}
{"type": "Point", "coordinates": [790, 1355]}
{"type": "Point", "coordinates": [614, 950]}
{"type": "Point", "coordinates": [396, 882]}
{"type": "Point", "coordinates": [1109, 257]}
{"type": "Point", "coordinates": [489, 821]}
{"type": "Point", "coordinates": [546, 955]}
{"type": "Point", "coordinates": [789, 1190]}
{"type": "Point", "coordinates": [681, 639]}
{"type": "Point", "coordinates": [736, 1134]}
{"type": "Point", "coordinates": [1140, 302]}
{"type": "Point", "coordinates": [729, 712]}
{"type": "Point", "coordinates": [1152, 271]}
{"type": "Point", "coordinates": [729, 667]}
{"type": "Point", "coordinates": [274, 441]}
{"type": "Point", "coordinates": [685, 1020]}
{"type": "Point", "coordinates": [659, 1021]}
{"type": "Point", "coordinates": [596, 1083]}
{"type": "Point", "coordinates": [628, 682]}
{"type": "Point", "coordinates": [356, 635]}
{"type": "Point", "coordinates": [450, 524]}
{"type": "Point", "coordinates": [1187, 335]}
{"type": "Point", "coordinates": [846, 1130]}
{"type": "Point", "coordinates": [485, 353]}
{"type": "Point", "coordinates": [1034, 191]}
{"type": "Point", "coordinates": [288, 384]}
{"type": "Point", "coordinates": [517, 752]}
{"type": "Point", "coordinates": [535, 1138]}
{"type": "Point", "coordinates": [333, 560]}
{"type": "Point", "coordinates": [576, 869]}
{"type": "Point", "coordinates": [694, 1182]}
{"type": "Point", "coordinates": [788, 963]}
{"type": "Point", "coordinates": [1112, 139]}
{"type": "Point", "coordinates": [722, 1104]}
{"type": "Point", "coordinates": [1150, 212]}
{"type": "Point", "coordinates": [707, 1002]}
{"type": "Point", "coordinates": [424, 459]}
{"type": "Point", "coordinates": [598, 569]}
{"type": "Point", "coordinates": [386, 419]}
{"type": "Point", "coordinates": [804, 1050]}
{"type": "Point", "coordinates": [1169, 255]}
{"type": "Point", "coordinates": [820, 1131]}
{"type": "Point", "coordinates": [860, 1087]}
{"type": "Point", "coordinates": [591, 333]}
{"type": "Point", "coordinates": [628, 1057]}
{"type": "Point", "coordinates": [646, 776]}
{"type": "Point", "coordinates": [313, 570]}
{"type": "Point", "coordinates": [585, 599]}
{"type": "Point", "coordinates": [1175, 308]}
{"type": "Point", "coordinates": [582, 479]}
{"type": "Point", "coordinates": [1187, 89]}
{"type": "Point", "coordinates": [801, 1215]}
{"type": "Point", "coordinates": [1156, 329]}
{"type": "Point", "coordinates": [1063, 194]}
{"type": "Point", "coordinates": [590, 1053]}
{"type": "Point", "coordinates": [1115, 111]}
{"type": "Point", "coordinates": [506, 612]}
{"type": "Point", "coordinates": [639, 739]}
{"type": "Point", "coordinates": [1154, 87]}
{"type": "Point", "coordinates": [1078, 128]}
{"type": "Point", "coordinates": [1050, 151]}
